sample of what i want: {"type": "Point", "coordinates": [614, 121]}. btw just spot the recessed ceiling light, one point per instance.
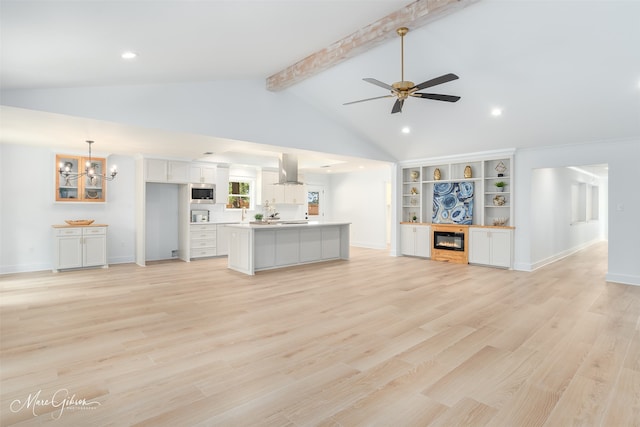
{"type": "Point", "coordinates": [496, 112]}
{"type": "Point", "coordinates": [129, 55]}
{"type": "Point", "coordinates": [406, 130]}
{"type": "Point", "coordinates": [360, 167]}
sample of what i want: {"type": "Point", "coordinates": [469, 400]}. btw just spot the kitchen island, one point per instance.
{"type": "Point", "coordinates": [264, 246]}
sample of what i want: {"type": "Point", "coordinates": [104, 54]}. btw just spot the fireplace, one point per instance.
{"type": "Point", "coordinates": [448, 241]}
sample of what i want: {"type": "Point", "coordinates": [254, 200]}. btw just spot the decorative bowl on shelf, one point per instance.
{"type": "Point", "coordinates": [499, 200]}
{"type": "Point", "coordinates": [79, 221]}
{"type": "Point", "coordinates": [500, 221]}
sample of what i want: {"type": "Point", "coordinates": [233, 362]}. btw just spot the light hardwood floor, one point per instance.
{"type": "Point", "coordinates": [375, 340]}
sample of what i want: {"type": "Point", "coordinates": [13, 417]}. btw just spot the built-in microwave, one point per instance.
{"type": "Point", "coordinates": [203, 193]}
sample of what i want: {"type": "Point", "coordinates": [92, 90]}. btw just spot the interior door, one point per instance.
{"type": "Point", "coordinates": [315, 202]}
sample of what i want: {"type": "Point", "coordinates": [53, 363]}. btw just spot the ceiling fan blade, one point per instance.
{"type": "Point", "coordinates": [434, 82]}
{"type": "Point", "coordinates": [437, 97]}
{"type": "Point", "coordinates": [397, 107]}
{"type": "Point", "coordinates": [379, 83]}
{"type": "Point", "coordinates": [368, 99]}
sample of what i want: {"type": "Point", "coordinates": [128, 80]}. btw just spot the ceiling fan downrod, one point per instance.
{"type": "Point", "coordinates": [402, 31]}
{"type": "Point", "coordinates": [401, 88]}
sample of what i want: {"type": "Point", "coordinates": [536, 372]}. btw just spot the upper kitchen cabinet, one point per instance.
{"type": "Point", "coordinates": [222, 184]}
{"type": "Point", "coordinates": [159, 170]}
{"type": "Point", "coordinates": [269, 181]}
{"type": "Point", "coordinates": [202, 173]}
{"type": "Point", "coordinates": [275, 193]}
{"type": "Point", "coordinates": [73, 188]}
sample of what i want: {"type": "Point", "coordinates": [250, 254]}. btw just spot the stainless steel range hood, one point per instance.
{"type": "Point", "coordinates": [288, 170]}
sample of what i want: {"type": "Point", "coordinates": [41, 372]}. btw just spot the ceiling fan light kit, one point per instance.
{"type": "Point", "coordinates": [404, 89]}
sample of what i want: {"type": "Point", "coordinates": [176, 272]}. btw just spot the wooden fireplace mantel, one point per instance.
{"type": "Point", "coordinates": [458, 257]}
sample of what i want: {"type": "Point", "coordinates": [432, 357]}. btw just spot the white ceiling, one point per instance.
{"type": "Point", "coordinates": [563, 72]}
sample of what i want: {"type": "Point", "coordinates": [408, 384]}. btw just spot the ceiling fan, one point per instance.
{"type": "Point", "coordinates": [404, 89]}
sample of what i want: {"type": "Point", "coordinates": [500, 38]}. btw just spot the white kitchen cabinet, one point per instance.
{"type": "Point", "coordinates": [332, 243]}
{"type": "Point", "coordinates": [288, 244]}
{"type": "Point", "coordinates": [269, 184]}
{"type": "Point", "coordinates": [203, 238]}
{"type": "Point", "coordinates": [295, 194]}
{"type": "Point", "coordinates": [203, 174]}
{"type": "Point", "coordinates": [222, 185]}
{"type": "Point", "coordinates": [310, 244]}
{"type": "Point", "coordinates": [222, 240]}
{"type": "Point", "coordinates": [78, 247]}
{"type": "Point", "coordinates": [265, 254]}
{"type": "Point", "coordinates": [160, 170]}
{"type": "Point", "coordinates": [241, 245]}
{"type": "Point", "coordinates": [491, 246]}
{"type": "Point", "coordinates": [415, 240]}
{"type": "Point", "coordinates": [281, 194]}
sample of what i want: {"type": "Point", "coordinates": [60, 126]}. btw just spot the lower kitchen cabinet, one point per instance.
{"type": "Point", "coordinates": [202, 240]}
{"type": "Point", "coordinates": [415, 240]}
{"type": "Point", "coordinates": [222, 240]}
{"type": "Point", "coordinates": [491, 246]}
{"type": "Point", "coordinates": [79, 247]}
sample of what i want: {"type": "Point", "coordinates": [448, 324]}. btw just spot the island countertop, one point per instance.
{"type": "Point", "coordinates": [263, 246]}
{"type": "Point", "coordinates": [284, 224]}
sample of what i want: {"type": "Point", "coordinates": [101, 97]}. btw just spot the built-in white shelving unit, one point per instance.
{"type": "Point", "coordinates": [490, 203]}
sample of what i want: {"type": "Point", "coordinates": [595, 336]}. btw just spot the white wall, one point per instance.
{"type": "Point", "coordinates": [553, 235]}
{"type": "Point", "coordinates": [27, 180]}
{"type": "Point", "coordinates": [161, 220]}
{"type": "Point", "coordinates": [623, 201]}
{"type": "Point", "coordinates": [360, 198]}
{"type": "Point", "coordinates": [240, 110]}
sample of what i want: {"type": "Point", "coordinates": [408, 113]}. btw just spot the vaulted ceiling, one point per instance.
{"type": "Point", "coordinates": [562, 72]}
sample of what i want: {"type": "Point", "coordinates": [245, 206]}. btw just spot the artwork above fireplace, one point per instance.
{"type": "Point", "coordinates": [453, 203]}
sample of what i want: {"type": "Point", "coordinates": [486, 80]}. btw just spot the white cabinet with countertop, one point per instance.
{"type": "Point", "coordinates": [79, 246]}
{"type": "Point", "coordinates": [415, 240]}
{"type": "Point", "coordinates": [491, 246]}
{"type": "Point", "coordinates": [203, 240]}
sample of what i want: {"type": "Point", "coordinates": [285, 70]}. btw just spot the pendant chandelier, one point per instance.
{"type": "Point", "coordinates": [68, 174]}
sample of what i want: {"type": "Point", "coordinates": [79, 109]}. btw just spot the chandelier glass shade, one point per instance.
{"type": "Point", "coordinates": [66, 170]}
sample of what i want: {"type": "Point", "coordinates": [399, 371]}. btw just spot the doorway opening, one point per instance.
{"type": "Point", "coordinates": [315, 202]}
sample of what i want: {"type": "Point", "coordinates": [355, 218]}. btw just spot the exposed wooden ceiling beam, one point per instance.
{"type": "Point", "coordinates": [415, 15]}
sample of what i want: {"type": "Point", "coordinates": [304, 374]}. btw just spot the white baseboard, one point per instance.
{"type": "Point", "coordinates": [368, 245]}
{"type": "Point", "coordinates": [625, 279]}
{"type": "Point", "coordinates": [10, 269]}
{"type": "Point", "coordinates": [567, 252]}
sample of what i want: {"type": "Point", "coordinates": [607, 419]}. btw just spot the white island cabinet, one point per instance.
{"type": "Point", "coordinates": [255, 247]}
